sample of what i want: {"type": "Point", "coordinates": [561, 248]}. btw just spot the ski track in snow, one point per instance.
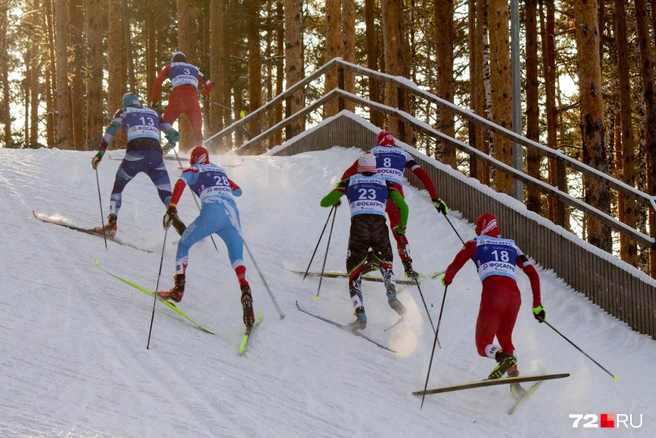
{"type": "Point", "coordinates": [73, 350]}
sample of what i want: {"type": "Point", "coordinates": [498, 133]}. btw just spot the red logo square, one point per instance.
{"type": "Point", "coordinates": [608, 420]}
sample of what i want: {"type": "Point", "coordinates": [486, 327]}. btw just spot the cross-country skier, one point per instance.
{"type": "Point", "coordinates": [218, 214]}
{"type": "Point", "coordinates": [143, 154]}
{"type": "Point", "coordinates": [367, 192]}
{"type": "Point", "coordinates": [496, 260]}
{"type": "Point", "coordinates": [392, 161]}
{"type": "Point", "coordinates": [184, 96]}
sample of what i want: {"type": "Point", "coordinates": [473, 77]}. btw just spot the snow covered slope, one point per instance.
{"type": "Point", "coordinates": [73, 339]}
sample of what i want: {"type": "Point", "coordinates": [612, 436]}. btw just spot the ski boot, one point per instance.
{"type": "Point", "coordinates": [506, 361]}
{"type": "Point", "coordinates": [176, 293]}
{"type": "Point", "coordinates": [360, 322]}
{"type": "Point", "coordinates": [409, 271]}
{"type": "Point", "coordinates": [395, 304]}
{"type": "Point", "coordinates": [247, 305]}
{"type": "Point", "coordinates": [515, 388]}
{"type": "Point", "coordinates": [110, 229]}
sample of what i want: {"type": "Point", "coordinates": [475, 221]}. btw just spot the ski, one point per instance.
{"type": "Point", "coordinates": [244, 340]}
{"type": "Point", "coordinates": [421, 279]}
{"type": "Point", "coordinates": [160, 299]}
{"type": "Point", "coordinates": [401, 319]}
{"type": "Point", "coordinates": [90, 231]}
{"type": "Point", "coordinates": [345, 328]}
{"type": "Point", "coordinates": [523, 398]}
{"type": "Point", "coordinates": [337, 274]}
{"type": "Point", "coordinates": [491, 382]}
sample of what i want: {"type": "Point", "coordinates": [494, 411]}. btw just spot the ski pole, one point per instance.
{"type": "Point", "coordinates": [323, 267]}
{"type": "Point", "coordinates": [317, 247]}
{"type": "Point", "coordinates": [266, 286]}
{"type": "Point", "coordinates": [425, 306]}
{"type": "Point", "coordinates": [102, 217]}
{"type": "Point", "coordinates": [159, 274]}
{"type": "Point", "coordinates": [454, 229]}
{"type": "Point", "coordinates": [195, 200]}
{"type": "Point", "coordinates": [430, 363]}
{"type": "Point", "coordinates": [617, 378]}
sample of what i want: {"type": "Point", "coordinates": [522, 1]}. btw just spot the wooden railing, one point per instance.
{"type": "Point", "coordinates": [562, 161]}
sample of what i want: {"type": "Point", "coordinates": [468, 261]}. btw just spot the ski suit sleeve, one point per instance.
{"type": "Point", "coordinates": [350, 171]}
{"type": "Point", "coordinates": [526, 265]}
{"type": "Point", "coordinates": [236, 190]}
{"type": "Point", "coordinates": [423, 177]}
{"type": "Point", "coordinates": [171, 134]}
{"type": "Point", "coordinates": [177, 192]}
{"type": "Point", "coordinates": [157, 83]}
{"type": "Point", "coordinates": [207, 84]}
{"type": "Point", "coordinates": [117, 122]}
{"type": "Point", "coordinates": [400, 202]}
{"type": "Point", "coordinates": [466, 253]}
{"type": "Point", "coordinates": [331, 198]}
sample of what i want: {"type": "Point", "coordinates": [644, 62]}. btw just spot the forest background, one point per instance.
{"type": "Point", "coordinates": [587, 73]}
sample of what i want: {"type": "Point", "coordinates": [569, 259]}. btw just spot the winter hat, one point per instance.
{"type": "Point", "coordinates": [486, 225]}
{"type": "Point", "coordinates": [179, 57]}
{"type": "Point", "coordinates": [367, 163]}
{"type": "Point", "coordinates": [199, 155]}
{"type": "Point", "coordinates": [131, 99]}
{"type": "Point", "coordinates": [385, 138]}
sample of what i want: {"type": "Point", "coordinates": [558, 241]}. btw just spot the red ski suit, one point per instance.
{"type": "Point", "coordinates": [184, 99]}
{"type": "Point", "coordinates": [500, 299]}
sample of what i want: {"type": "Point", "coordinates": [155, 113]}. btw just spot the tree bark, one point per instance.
{"type": "Point", "coordinates": [597, 194]}
{"type": "Point", "coordinates": [293, 60]}
{"type": "Point", "coordinates": [63, 93]}
{"type": "Point", "coordinates": [333, 49]}
{"type": "Point", "coordinates": [444, 40]}
{"type": "Point", "coordinates": [254, 68]}
{"type": "Point", "coordinates": [78, 97]}
{"type": "Point", "coordinates": [498, 19]}
{"type": "Point", "coordinates": [348, 47]}
{"type": "Point", "coordinates": [217, 62]}
{"type": "Point", "coordinates": [4, 77]}
{"type": "Point", "coordinates": [533, 202]}
{"type": "Point", "coordinates": [94, 33]}
{"type": "Point", "coordinates": [392, 12]}
{"type": "Point", "coordinates": [186, 44]}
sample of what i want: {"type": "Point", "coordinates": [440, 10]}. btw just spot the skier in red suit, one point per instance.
{"type": "Point", "coordinates": [496, 260]}
{"type": "Point", "coordinates": [391, 161]}
{"type": "Point", "coordinates": [185, 79]}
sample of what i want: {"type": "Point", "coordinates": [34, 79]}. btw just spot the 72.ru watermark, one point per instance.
{"type": "Point", "coordinates": [628, 421]}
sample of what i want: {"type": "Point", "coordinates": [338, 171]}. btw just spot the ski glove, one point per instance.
{"type": "Point", "coordinates": [539, 313]}
{"type": "Point", "coordinates": [202, 96]}
{"type": "Point", "coordinates": [171, 213]}
{"type": "Point", "coordinates": [154, 104]}
{"type": "Point", "coordinates": [96, 160]}
{"type": "Point", "coordinates": [443, 281]}
{"type": "Point", "coordinates": [399, 230]}
{"type": "Point", "coordinates": [440, 205]}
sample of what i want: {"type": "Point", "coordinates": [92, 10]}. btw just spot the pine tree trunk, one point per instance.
{"type": "Point", "coordinates": [333, 50]}
{"type": "Point", "coordinates": [533, 202]}
{"type": "Point", "coordinates": [35, 74]}
{"type": "Point", "coordinates": [597, 193]}
{"type": "Point", "coordinates": [151, 43]}
{"type": "Point", "coordinates": [371, 33]}
{"type": "Point", "coordinates": [626, 154]}
{"type": "Point", "coordinates": [94, 33]}
{"type": "Point", "coordinates": [63, 93]}
{"type": "Point", "coordinates": [348, 47]}
{"type": "Point", "coordinates": [392, 12]}
{"type": "Point", "coordinates": [217, 61]}
{"type": "Point", "coordinates": [78, 97]}
{"type": "Point", "coordinates": [293, 60]}
{"type": "Point", "coordinates": [186, 44]}
{"type": "Point", "coordinates": [254, 69]}
{"type": "Point", "coordinates": [477, 88]}
{"type": "Point", "coordinates": [498, 19]}
{"type": "Point", "coordinates": [117, 71]}
{"type": "Point", "coordinates": [4, 77]}
{"type": "Point", "coordinates": [280, 68]}
{"type": "Point", "coordinates": [444, 40]}
{"type": "Point", "coordinates": [647, 62]}
{"type": "Point", "coordinates": [129, 56]}
{"type": "Point", "coordinates": [51, 78]}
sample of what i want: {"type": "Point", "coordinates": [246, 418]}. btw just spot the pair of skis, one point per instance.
{"type": "Point", "coordinates": [245, 338]}
{"type": "Point", "coordinates": [337, 274]}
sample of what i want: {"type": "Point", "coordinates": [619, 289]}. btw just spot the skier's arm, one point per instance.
{"type": "Point", "coordinates": [524, 263]}
{"type": "Point", "coordinates": [236, 190]}
{"type": "Point", "coordinates": [111, 131]}
{"type": "Point", "coordinates": [350, 171]}
{"type": "Point", "coordinates": [207, 85]}
{"type": "Point", "coordinates": [423, 177]}
{"type": "Point", "coordinates": [332, 198]}
{"type": "Point", "coordinates": [400, 202]}
{"type": "Point", "coordinates": [157, 84]}
{"type": "Point", "coordinates": [166, 128]}
{"type": "Point", "coordinates": [177, 193]}
{"type": "Point", "coordinates": [466, 253]}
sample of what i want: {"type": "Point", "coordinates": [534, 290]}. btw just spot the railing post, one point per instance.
{"type": "Point", "coordinates": [473, 162]}
{"type": "Point", "coordinates": [340, 85]}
